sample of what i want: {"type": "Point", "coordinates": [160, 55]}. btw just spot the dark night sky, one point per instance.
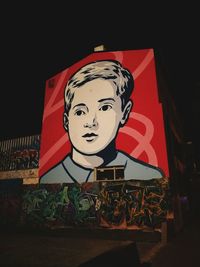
{"type": "Point", "coordinates": [32, 52]}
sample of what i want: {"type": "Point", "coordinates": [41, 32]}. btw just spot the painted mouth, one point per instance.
{"type": "Point", "coordinates": [89, 137]}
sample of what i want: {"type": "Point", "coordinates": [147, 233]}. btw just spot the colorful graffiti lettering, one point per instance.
{"type": "Point", "coordinates": [20, 153]}
{"type": "Point", "coordinates": [103, 204]}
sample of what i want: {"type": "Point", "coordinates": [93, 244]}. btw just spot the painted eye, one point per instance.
{"type": "Point", "coordinates": [105, 107]}
{"type": "Point", "coordinates": [79, 113]}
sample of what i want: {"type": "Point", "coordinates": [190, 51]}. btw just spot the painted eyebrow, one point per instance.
{"type": "Point", "coordinates": [106, 99]}
{"type": "Point", "coordinates": [79, 105]}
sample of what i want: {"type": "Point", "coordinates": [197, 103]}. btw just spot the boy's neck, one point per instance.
{"type": "Point", "coordinates": [92, 161]}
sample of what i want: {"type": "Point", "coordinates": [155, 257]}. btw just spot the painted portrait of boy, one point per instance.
{"type": "Point", "coordinates": [97, 104]}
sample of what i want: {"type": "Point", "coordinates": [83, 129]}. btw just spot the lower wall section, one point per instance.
{"type": "Point", "coordinates": [121, 205]}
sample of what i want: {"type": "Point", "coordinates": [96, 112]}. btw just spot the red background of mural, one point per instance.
{"type": "Point", "coordinates": [142, 137]}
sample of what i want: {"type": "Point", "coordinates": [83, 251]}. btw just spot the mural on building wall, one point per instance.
{"type": "Point", "coordinates": [20, 153]}
{"type": "Point", "coordinates": [103, 160]}
{"type": "Point", "coordinates": [103, 121]}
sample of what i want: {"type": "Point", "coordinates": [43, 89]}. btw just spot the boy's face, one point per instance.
{"type": "Point", "coordinates": [95, 116]}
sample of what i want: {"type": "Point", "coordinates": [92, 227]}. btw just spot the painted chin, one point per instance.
{"type": "Point", "coordinates": [90, 139]}
{"type": "Point", "coordinates": [91, 147]}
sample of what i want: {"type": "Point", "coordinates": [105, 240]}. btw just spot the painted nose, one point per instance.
{"type": "Point", "coordinates": [91, 124]}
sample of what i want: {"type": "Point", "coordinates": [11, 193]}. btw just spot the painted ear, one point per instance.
{"type": "Point", "coordinates": [65, 121]}
{"type": "Point", "coordinates": [126, 112]}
